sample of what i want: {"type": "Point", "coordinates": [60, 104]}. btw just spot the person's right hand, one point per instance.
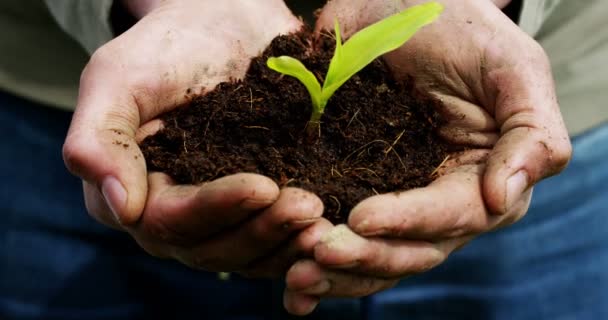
{"type": "Point", "coordinates": [499, 103]}
{"type": "Point", "coordinates": [178, 48]}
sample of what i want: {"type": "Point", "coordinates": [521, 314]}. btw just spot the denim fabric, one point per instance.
{"type": "Point", "coordinates": [553, 264]}
{"type": "Point", "coordinates": [57, 263]}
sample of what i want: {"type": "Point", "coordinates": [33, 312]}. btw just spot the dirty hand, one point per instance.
{"type": "Point", "coordinates": [179, 47]}
{"type": "Point", "coordinates": [499, 99]}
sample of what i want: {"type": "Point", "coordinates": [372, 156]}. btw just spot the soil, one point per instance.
{"type": "Point", "coordinates": [377, 135]}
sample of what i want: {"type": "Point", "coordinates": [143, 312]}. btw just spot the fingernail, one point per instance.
{"type": "Point", "coordinates": [299, 304]}
{"type": "Point", "coordinates": [516, 185]}
{"type": "Point", "coordinates": [366, 228]}
{"type": "Point", "coordinates": [256, 204]}
{"type": "Point", "coordinates": [115, 195]}
{"type": "Point", "coordinates": [311, 307]}
{"type": "Point", "coordinates": [318, 289]}
{"type": "Point", "coordinates": [299, 224]}
{"type": "Point", "coordinates": [362, 228]}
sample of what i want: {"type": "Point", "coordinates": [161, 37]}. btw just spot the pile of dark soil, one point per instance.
{"type": "Point", "coordinates": [377, 135]}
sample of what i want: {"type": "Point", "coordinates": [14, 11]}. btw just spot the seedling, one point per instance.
{"type": "Point", "coordinates": [356, 53]}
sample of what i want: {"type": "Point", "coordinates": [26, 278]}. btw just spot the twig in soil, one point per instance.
{"type": "Point", "coordinates": [336, 172]}
{"type": "Point", "coordinates": [404, 107]}
{"type": "Point", "coordinates": [353, 118]}
{"type": "Point", "coordinates": [394, 142]}
{"type": "Point", "coordinates": [401, 161]}
{"type": "Point", "coordinates": [237, 89]}
{"type": "Point", "coordinates": [288, 182]}
{"type": "Point", "coordinates": [256, 127]}
{"type": "Point", "coordinates": [250, 100]}
{"type": "Point", "coordinates": [277, 153]}
{"type": "Point", "coordinates": [300, 163]}
{"type": "Point", "coordinates": [378, 141]}
{"type": "Point", "coordinates": [184, 137]}
{"type": "Point", "coordinates": [362, 148]}
{"type": "Point", "coordinates": [368, 170]}
{"type": "Point", "coordinates": [435, 172]}
{"type": "Point", "coordinates": [327, 33]}
{"type": "Point", "coordinates": [209, 121]}
{"type": "Point", "coordinates": [376, 192]}
{"type": "Point", "coordinates": [334, 198]}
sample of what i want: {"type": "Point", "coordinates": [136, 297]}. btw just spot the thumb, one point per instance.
{"type": "Point", "coordinates": [346, 12]}
{"type": "Point", "coordinates": [534, 142]}
{"type": "Point", "coordinates": [100, 146]}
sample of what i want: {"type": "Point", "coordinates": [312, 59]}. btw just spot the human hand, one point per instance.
{"type": "Point", "coordinates": [499, 101]}
{"type": "Point", "coordinates": [181, 48]}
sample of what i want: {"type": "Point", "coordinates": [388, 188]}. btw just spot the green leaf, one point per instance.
{"type": "Point", "coordinates": [359, 51]}
{"type": "Point", "coordinates": [294, 68]}
{"type": "Point", "coordinates": [373, 41]}
{"type": "Point", "coordinates": [338, 51]}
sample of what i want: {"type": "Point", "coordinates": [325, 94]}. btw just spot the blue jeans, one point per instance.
{"type": "Point", "coordinates": [57, 263]}
{"type": "Point", "coordinates": [553, 264]}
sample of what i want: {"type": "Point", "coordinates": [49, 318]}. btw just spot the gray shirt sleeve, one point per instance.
{"type": "Point", "coordinates": [573, 35]}
{"type": "Point", "coordinates": [87, 21]}
{"type": "Point", "coordinates": [534, 13]}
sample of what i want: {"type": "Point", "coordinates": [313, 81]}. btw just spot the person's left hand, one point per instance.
{"type": "Point", "coordinates": [241, 223]}
{"type": "Point", "coordinates": [499, 102]}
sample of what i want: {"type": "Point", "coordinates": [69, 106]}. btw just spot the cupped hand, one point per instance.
{"type": "Point", "coordinates": [181, 48]}
{"type": "Point", "coordinates": [499, 100]}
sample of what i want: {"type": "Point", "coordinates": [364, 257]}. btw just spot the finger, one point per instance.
{"type": "Point", "coordinates": [460, 113]}
{"type": "Point", "coordinates": [467, 137]}
{"type": "Point", "coordinates": [343, 249]}
{"type": "Point", "coordinates": [185, 214]}
{"type": "Point", "coordinates": [466, 123]}
{"type": "Point", "coordinates": [351, 16]}
{"type": "Point", "coordinates": [521, 158]}
{"type": "Point", "coordinates": [302, 246]}
{"type": "Point", "coordinates": [534, 142]}
{"type": "Point", "coordinates": [306, 277]}
{"type": "Point", "coordinates": [299, 304]}
{"type": "Point", "coordinates": [100, 146]}
{"type": "Point", "coordinates": [294, 210]}
{"type": "Point", "coordinates": [97, 206]}
{"type": "Point", "coordinates": [148, 129]}
{"type": "Point", "coordinates": [449, 207]}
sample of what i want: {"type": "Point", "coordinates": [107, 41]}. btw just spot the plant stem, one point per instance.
{"type": "Point", "coordinates": [313, 128]}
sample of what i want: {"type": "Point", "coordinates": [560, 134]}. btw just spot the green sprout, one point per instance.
{"type": "Point", "coordinates": [359, 51]}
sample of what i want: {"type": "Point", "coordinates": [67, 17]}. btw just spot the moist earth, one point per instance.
{"type": "Point", "coordinates": [377, 135]}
